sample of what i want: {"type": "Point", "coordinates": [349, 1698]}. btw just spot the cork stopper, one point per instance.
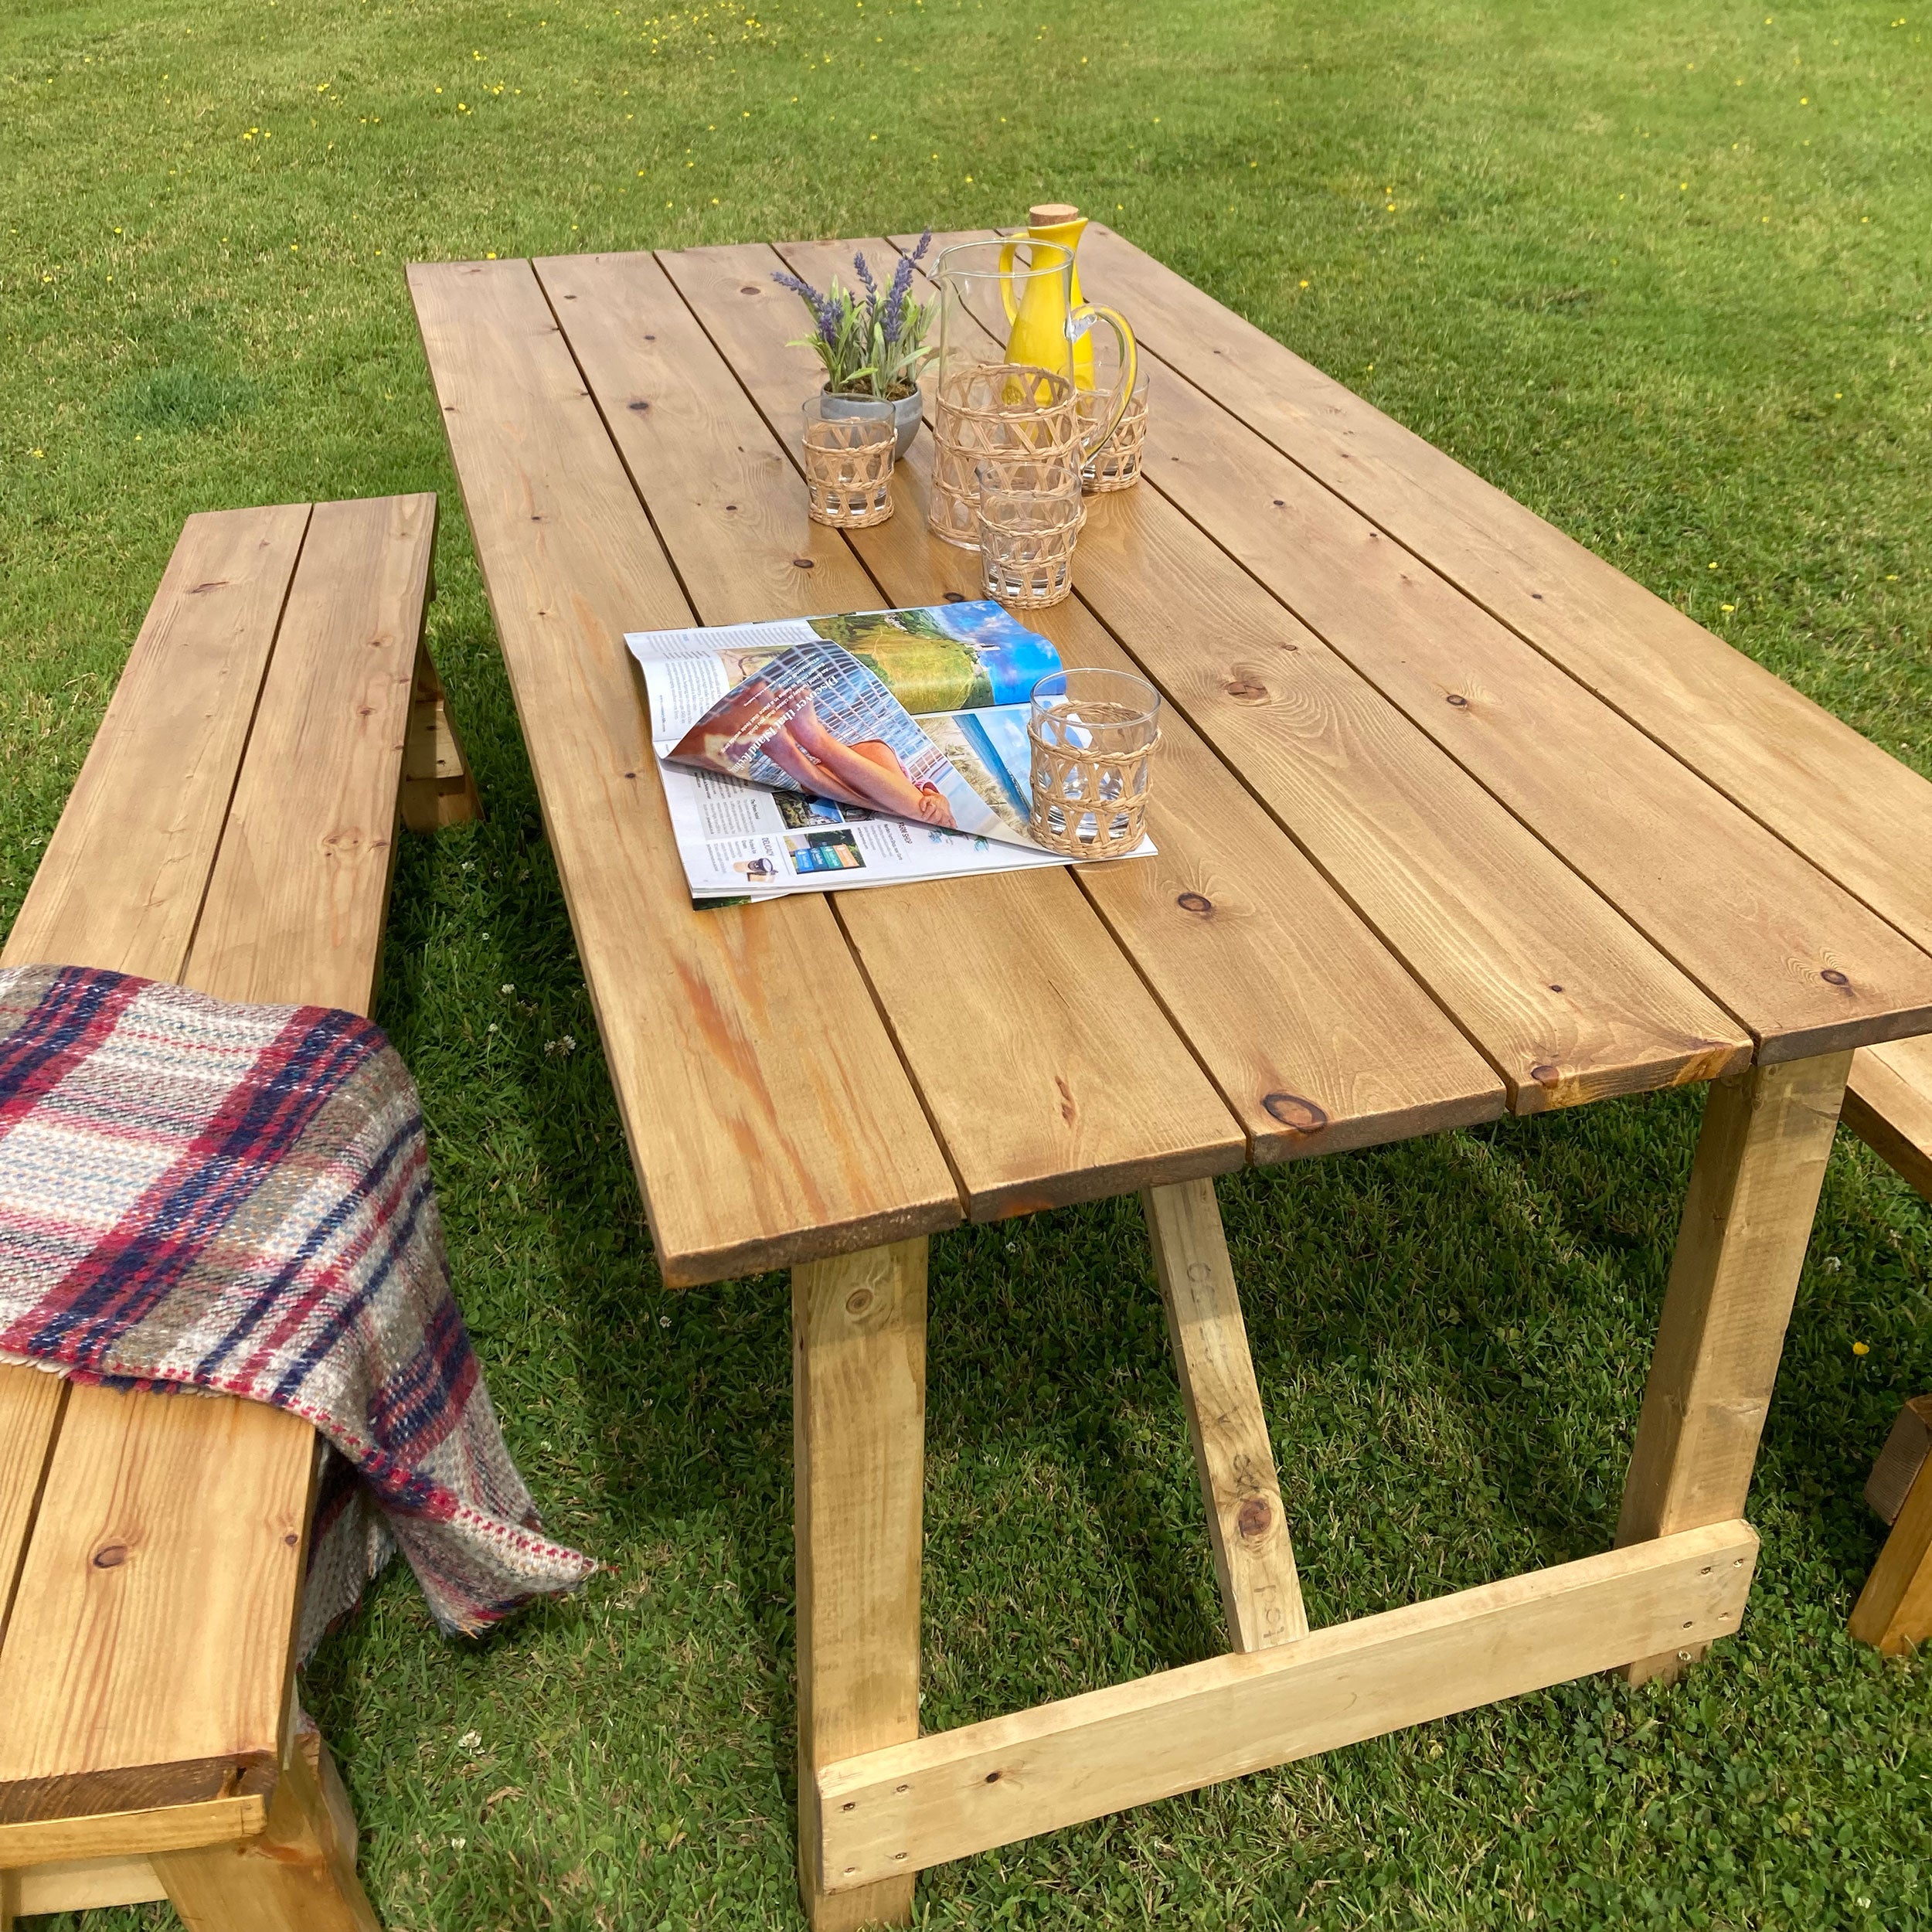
{"type": "Point", "coordinates": [1050, 214]}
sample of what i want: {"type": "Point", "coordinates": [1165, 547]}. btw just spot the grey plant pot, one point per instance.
{"type": "Point", "coordinates": [904, 413]}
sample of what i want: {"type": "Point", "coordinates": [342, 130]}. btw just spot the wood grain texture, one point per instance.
{"type": "Point", "coordinates": [1753, 1190]}
{"type": "Point", "coordinates": [859, 1438]}
{"type": "Point", "coordinates": [120, 1657]}
{"type": "Point", "coordinates": [1317, 1039]}
{"type": "Point", "coordinates": [1907, 1449]}
{"type": "Point", "coordinates": [121, 881]}
{"type": "Point", "coordinates": [131, 1833]}
{"type": "Point", "coordinates": [1568, 1002]}
{"type": "Point", "coordinates": [1049, 1070]}
{"type": "Point", "coordinates": [297, 1875]}
{"type": "Point", "coordinates": [760, 1133]}
{"type": "Point", "coordinates": [1894, 1608]}
{"type": "Point", "coordinates": [87, 1885]}
{"type": "Point", "coordinates": [1799, 961]}
{"type": "Point", "coordinates": [1863, 817]}
{"type": "Point", "coordinates": [1253, 1558]}
{"type": "Point", "coordinates": [967, 1791]}
{"type": "Point", "coordinates": [31, 1404]}
{"type": "Point", "coordinates": [299, 894]}
{"type": "Point", "coordinates": [1888, 1104]}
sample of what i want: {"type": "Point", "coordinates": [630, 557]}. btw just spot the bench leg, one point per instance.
{"type": "Point", "coordinates": [1894, 1610]}
{"type": "Point", "coordinates": [1253, 1557]}
{"type": "Point", "coordinates": [1747, 1220]}
{"type": "Point", "coordinates": [298, 1876]}
{"type": "Point", "coordinates": [858, 1438]}
{"type": "Point", "coordinates": [437, 788]}
{"type": "Point", "coordinates": [9, 1896]}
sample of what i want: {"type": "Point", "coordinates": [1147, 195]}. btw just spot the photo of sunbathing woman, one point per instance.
{"type": "Point", "coordinates": [769, 730]}
{"type": "Point", "coordinates": [867, 773]}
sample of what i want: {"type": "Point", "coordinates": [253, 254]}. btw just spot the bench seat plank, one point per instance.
{"type": "Point", "coordinates": [121, 882]}
{"type": "Point", "coordinates": [768, 1113]}
{"type": "Point", "coordinates": [30, 1406]}
{"type": "Point", "coordinates": [146, 1661]}
{"type": "Point", "coordinates": [1888, 1102]}
{"type": "Point", "coordinates": [300, 892]}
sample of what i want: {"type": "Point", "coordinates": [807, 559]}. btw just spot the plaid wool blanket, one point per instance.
{"type": "Point", "coordinates": [195, 1194]}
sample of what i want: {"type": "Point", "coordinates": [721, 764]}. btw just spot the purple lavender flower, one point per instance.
{"type": "Point", "coordinates": [864, 277]}
{"type": "Point", "coordinates": [894, 318]}
{"type": "Point", "coordinates": [824, 309]}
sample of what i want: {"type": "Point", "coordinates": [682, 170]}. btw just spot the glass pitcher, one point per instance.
{"type": "Point", "coordinates": [1008, 389]}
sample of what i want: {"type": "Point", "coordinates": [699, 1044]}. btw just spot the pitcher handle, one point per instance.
{"type": "Point", "coordinates": [1083, 318]}
{"type": "Point", "coordinates": [1006, 278]}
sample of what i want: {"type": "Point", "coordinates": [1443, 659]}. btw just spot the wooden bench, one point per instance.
{"type": "Point", "coordinates": [1888, 1104]}
{"type": "Point", "coordinates": [233, 829]}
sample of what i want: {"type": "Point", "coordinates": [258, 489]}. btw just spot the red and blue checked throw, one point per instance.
{"type": "Point", "coordinates": [195, 1194]}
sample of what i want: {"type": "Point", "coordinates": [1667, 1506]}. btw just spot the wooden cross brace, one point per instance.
{"type": "Point", "coordinates": [879, 1803]}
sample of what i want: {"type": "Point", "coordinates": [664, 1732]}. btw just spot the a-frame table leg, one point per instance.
{"type": "Point", "coordinates": [859, 1438]}
{"type": "Point", "coordinates": [1252, 1556]}
{"type": "Point", "coordinates": [1747, 1220]}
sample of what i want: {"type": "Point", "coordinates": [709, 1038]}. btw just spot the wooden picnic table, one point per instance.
{"type": "Point", "coordinates": [1454, 821]}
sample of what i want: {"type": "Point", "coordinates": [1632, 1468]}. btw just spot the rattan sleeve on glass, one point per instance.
{"type": "Point", "coordinates": [848, 468]}
{"type": "Point", "coordinates": [1007, 410]}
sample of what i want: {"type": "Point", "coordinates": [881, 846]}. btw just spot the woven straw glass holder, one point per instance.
{"type": "Point", "coordinates": [1116, 465]}
{"type": "Point", "coordinates": [848, 469]}
{"type": "Point", "coordinates": [1026, 540]}
{"type": "Point", "coordinates": [996, 409]}
{"type": "Point", "coordinates": [1092, 733]}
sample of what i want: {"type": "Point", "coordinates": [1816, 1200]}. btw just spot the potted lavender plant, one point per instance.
{"type": "Point", "coordinates": [872, 346]}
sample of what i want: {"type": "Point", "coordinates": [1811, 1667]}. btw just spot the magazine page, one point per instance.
{"type": "Point", "coordinates": [813, 719]}
{"type": "Point", "coordinates": [966, 670]}
{"type": "Point", "coordinates": [945, 658]}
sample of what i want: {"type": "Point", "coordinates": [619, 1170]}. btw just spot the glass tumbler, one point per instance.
{"type": "Point", "coordinates": [1092, 733]}
{"type": "Point", "coordinates": [1116, 465]}
{"type": "Point", "coordinates": [849, 469]}
{"type": "Point", "coordinates": [1030, 517]}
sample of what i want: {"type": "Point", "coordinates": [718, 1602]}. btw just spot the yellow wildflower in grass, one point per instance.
{"type": "Point", "coordinates": [1861, 1347]}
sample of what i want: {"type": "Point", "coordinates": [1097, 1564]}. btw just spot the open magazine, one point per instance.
{"type": "Point", "coordinates": [819, 753]}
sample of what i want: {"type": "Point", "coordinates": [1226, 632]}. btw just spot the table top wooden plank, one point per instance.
{"type": "Point", "coordinates": [1315, 1035]}
{"type": "Point", "coordinates": [299, 894]}
{"type": "Point", "coordinates": [1049, 1070]}
{"type": "Point", "coordinates": [1567, 1000]}
{"type": "Point", "coordinates": [1807, 967]}
{"type": "Point", "coordinates": [122, 880]}
{"type": "Point", "coordinates": [769, 1116]}
{"type": "Point", "coordinates": [1784, 759]}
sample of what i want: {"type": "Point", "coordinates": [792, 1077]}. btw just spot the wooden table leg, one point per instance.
{"type": "Point", "coordinates": [1747, 1220]}
{"type": "Point", "coordinates": [437, 788]}
{"type": "Point", "coordinates": [859, 1437]}
{"type": "Point", "coordinates": [1253, 1559]}
{"type": "Point", "coordinates": [298, 1876]}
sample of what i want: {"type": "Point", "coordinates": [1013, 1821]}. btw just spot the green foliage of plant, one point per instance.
{"type": "Point", "coordinates": [1451, 1335]}
{"type": "Point", "coordinates": [873, 345]}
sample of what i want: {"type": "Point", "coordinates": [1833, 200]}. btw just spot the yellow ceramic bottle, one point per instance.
{"type": "Point", "coordinates": [1051, 221]}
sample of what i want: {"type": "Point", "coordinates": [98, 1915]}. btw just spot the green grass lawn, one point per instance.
{"type": "Point", "coordinates": [1659, 270]}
